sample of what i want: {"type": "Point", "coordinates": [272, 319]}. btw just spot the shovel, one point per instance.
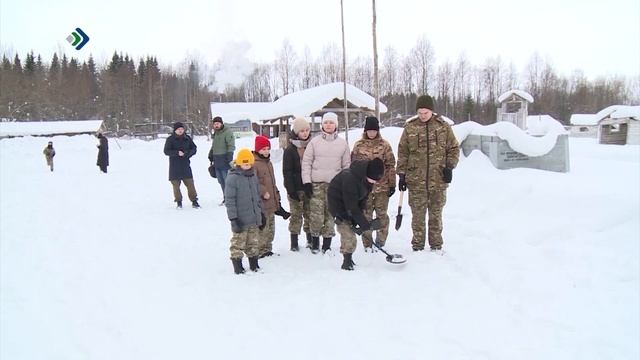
{"type": "Point", "coordinates": [399, 216]}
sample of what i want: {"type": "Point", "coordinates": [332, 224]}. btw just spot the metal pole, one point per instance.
{"type": "Point", "coordinates": [344, 76]}
{"type": "Point", "coordinates": [376, 84]}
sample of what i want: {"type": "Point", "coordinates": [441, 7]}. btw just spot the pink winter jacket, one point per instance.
{"type": "Point", "coordinates": [326, 155]}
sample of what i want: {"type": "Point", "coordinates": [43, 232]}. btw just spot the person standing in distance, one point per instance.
{"type": "Point", "coordinates": [428, 152]}
{"type": "Point", "coordinates": [223, 144]}
{"type": "Point", "coordinates": [49, 152]}
{"type": "Point", "coordinates": [180, 148]}
{"type": "Point", "coordinates": [103, 152]}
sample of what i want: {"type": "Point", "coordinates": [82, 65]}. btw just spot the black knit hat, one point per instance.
{"type": "Point", "coordinates": [375, 169]}
{"type": "Point", "coordinates": [371, 123]}
{"type": "Point", "coordinates": [178, 125]}
{"type": "Point", "coordinates": [217, 119]}
{"type": "Point", "coordinates": [424, 102]}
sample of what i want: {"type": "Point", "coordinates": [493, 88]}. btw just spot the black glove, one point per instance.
{"type": "Point", "coordinates": [392, 190]}
{"type": "Point", "coordinates": [375, 224]}
{"type": "Point", "coordinates": [294, 196]}
{"type": "Point", "coordinates": [402, 183]}
{"type": "Point", "coordinates": [229, 157]}
{"type": "Point", "coordinates": [282, 212]}
{"type": "Point", "coordinates": [264, 222]}
{"type": "Point", "coordinates": [210, 156]}
{"type": "Point", "coordinates": [308, 189]}
{"type": "Point", "coordinates": [447, 175]}
{"type": "Point", "coordinates": [236, 226]}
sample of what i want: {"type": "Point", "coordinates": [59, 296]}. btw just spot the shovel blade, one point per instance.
{"type": "Point", "coordinates": [398, 221]}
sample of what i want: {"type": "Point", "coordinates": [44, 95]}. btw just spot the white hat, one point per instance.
{"type": "Point", "coordinates": [330, 116]}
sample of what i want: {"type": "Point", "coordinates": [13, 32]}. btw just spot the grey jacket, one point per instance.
{"type": "Point", "coordinates": [242, 197]}
{"type": "Point", "coordinates": [325, 156]}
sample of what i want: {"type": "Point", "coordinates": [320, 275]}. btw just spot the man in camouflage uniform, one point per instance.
{"type": "Point", "coordinates": [372, 146]}
{"type": "Point", "coordinates": [427, 154]}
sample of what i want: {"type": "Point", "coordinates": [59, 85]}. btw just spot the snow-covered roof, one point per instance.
{"type": "Point", "coordinates": [583, 119]}
{"type": "Point", "coordinates": [523, 94]}
{"type": "Point", "coordinates": [235, 111]}
{"type": "Point", "coordinates": [301, 103]}
{"type": "Point", "coordinates": [518, 139]}
{"type": "Point", "coordinates": [27, 128]}
{"type": "Point", "coordinates": [619, 112]}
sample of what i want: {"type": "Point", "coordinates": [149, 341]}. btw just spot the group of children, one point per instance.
{"type": "Point", "coordinates": [323, 186]}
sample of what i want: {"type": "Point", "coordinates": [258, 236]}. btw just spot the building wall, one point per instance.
{"type": "Point", "coordinates": [633, 133]}
{"type": "Point", "coordinates": [614, 131]}
{"type": "Point", "coordinates": [588, 131]}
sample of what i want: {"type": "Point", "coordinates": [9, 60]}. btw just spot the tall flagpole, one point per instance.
{"type": "Point", "coordinates": [344, 77]}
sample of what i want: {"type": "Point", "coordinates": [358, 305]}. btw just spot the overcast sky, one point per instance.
{"type": "Point", "coordinates": [597, 36]}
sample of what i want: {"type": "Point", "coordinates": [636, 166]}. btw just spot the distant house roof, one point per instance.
{"type": "Point", "coordinates": [301, 103]}
{"type": "Point", "coordinates": [583, 119]}
{"type": "Point", "coordinates": [523, 94]}
{"type": "Point", "coordinates": [39, 128]}
{"type": "Point", "coordinates": [619, 112]}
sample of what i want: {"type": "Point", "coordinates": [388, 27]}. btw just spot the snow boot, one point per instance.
{"type": "Point", "coordinates": [253, 264]}
{"type": "Point", "coordinates": [326, 244]}
{"type": "Point", "coordinates": [347, 263]}
{"type": "Point", "coordinates": [237, 266]}
{"type": "Point", "coordinates": [315, 244]}
{"type": "Point", "coordinates": [309, 241]}
{"type": "Point", "coordinates": [179, 204]}
{"type": "Point", "coordinates": [294, 242]}
{"type": "Point", "coordinates": [195, 204]}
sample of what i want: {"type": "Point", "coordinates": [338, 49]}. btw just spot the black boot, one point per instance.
{"type": "Point", "coordinates": [179, 204]}
{"type": "Point", "coordinates": [294, 242]}
{"type": "Point", "coordinates": [326, 244]}
{"type": "Point", "coordinates": [315, 244]}
{"type": "Point", "coordinates": [237, 266]}
{"type": "Point", "coordinates": [195, 204]}
{"type": "Point", "coordinates": [253, 263]}
{"type": "Point", "coordinates": [347, 263]}
{"type": "Point", "coordinates": [309, 241]}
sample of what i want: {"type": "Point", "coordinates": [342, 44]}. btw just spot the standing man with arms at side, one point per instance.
{"type": "Point", "coordinates": [428, 152]}
{"type": "Point", "coordinates": [372, 146]}
{"type": "Point", "coordinates": [223, 144]}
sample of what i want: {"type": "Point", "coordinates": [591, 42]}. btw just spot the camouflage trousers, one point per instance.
{"type": "Point", "coordinates": [320, 220]}
{"type": "Point", "coordinates": [266, 235]}
{"type": "Point", "coordinates": [421, 202]}
{"type": "Point", "coordinates": [191, 189]}
{"type": "Point", "coordinates": [299, 214]}
{"type": "Point", "coordinates": [244, 242]}
{"type": "Point", "coordinates": [348, 241]}
{"type": "Point", "coordinates": [378, 202]}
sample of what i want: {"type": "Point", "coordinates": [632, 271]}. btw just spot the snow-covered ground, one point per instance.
{"type": "Point", "coordinates": [538, 265]}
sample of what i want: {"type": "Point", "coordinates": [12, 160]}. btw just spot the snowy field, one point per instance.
{"type": "Point", "coordinates": [538, 265]}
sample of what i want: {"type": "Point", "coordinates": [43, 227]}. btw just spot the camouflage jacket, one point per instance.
{"type": "Point", "coordinates": [368, 149]}
{"type": "Point", "coordinates": [424, 150]}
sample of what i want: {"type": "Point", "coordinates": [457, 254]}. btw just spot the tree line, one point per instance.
{"type": "Point", "coordinates": [125, 92]}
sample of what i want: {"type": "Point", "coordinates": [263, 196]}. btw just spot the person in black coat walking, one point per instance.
{"type": "Point", "coordinates": [347, 198]}
{"type": "Point", "coordinates": [179, 147]}
{"type": "Point", "coordinates": [103, 153]}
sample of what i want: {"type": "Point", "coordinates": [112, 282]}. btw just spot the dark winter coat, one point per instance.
{"type": "Point", "coordinates": [347, 194]}
{"type": "Point", "coordinates": [292, 165]}
{"type": "Point", "coordinates": [179, 166]}
{"type": "Point", "coordinates": [223, 144]}
{"type": "Point", "coordinates": [242, 197]}
{"type": "Point", "coordinates": [103, 151]}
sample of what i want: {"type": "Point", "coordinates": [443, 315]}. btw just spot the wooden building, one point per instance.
{"type": "Point", "coordinates": [514, 107]}
{"type": "Point", "coordinates": [619, 125]}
